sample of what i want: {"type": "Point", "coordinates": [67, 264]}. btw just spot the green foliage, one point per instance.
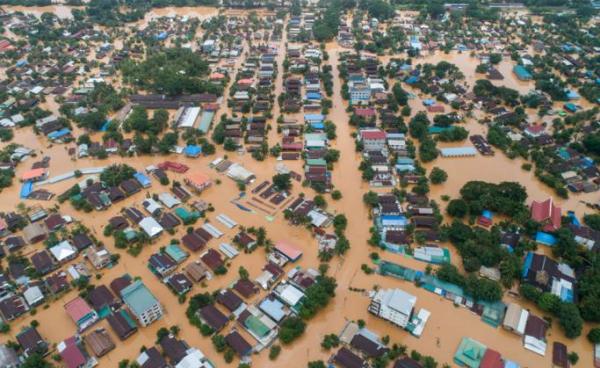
{"type": "Point", "coordinates": [437, 176]}
{"type": "Point", "coordinates": [274, 352]}
{"type": "Point", "coordinates": [594, 335]}
{"type": "Point", "coordinates": [282, 182]}
{"type": "Point", "coordinates": [291, 328]}
{"type": "Point", "coordinates": [330, 341]}
{"type": "Point", "coordinates": [116, 174]}
{"type": "Point", "coordinates": [172, 71]}
{"type": "Point", "coordinates": [317, 296]}
{"type": "Point", "coordinates": [454, 134]}
{"type": "Point", "coordinates": [457, 208]}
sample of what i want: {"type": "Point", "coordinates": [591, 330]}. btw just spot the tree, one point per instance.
{"type": "Point", "coordinates": [457, 208]}
{"type": "Point", "coordinates": [35, 361]}
{"type": "Point", "coordinates": [594, 335]}
{"type": "Point", "coordinates": [274, 352]}
{"type": "Point", "coordinates": [330, 341]}
{"type": "Point", "coordinates": [229, 145]}
{"type": "Point", "coordinates": [244, 274]}
{"type": "Point", "coordinates": [428, 150]}
{"type": "Point", "coordinates": [116, 174]}
{"type": "Point", "coordinates": [570, 319]}
{"type": "Point", "coordinates": [282, 182]}
{"type": "Point", "coordinates": [371, 199]}
{"type": "Point", "coordinates": [316, 364]}
{"type": "Point", "coordinates": [495, 58]}
{"type": "Point", "coordinates": [437, 176]}
{"type": "Point", "coordinates": [291, 328]}
{"type": "Point", "coordinates": [336, 195]}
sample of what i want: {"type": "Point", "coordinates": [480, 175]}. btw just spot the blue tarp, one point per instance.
{"type": "Point", "coordinates": [105, 126]}
{"type": "Point", "coordinates": [319, 126]}
{"type": "Point", "coordinates": [313, 96]}
{"type": "Point", "coordinates": [487, 214]}
{"type": "Point", "coordinates": [572, 95]}
{"type": "Point", "coordinates": [574, 219]}
{"type": "Point", "coordinates": [545, 238]}
{"type": "Point", "coordinates": [412, 79]}
{"type": "Point", "coordinates": [26, 189]}
{"type": "Point", "coordinates": [313, 117]}
{"type": "Point", "coordinates": [527, 264]}
{"type": "Point", "coordinates": [522, 73]}
{"type": "Point", "coordinates": [143, 179]}
{"type": "Point", "coordinates": [390, 220]}
{"type": "Point", "coordinates": [428, 102]}
{"type": "Point", "coordinates": [192, 150]}
{"type": "Point", "coordinates": [59, 133]}
{"type": "Point", "coordinates": [161, 36]}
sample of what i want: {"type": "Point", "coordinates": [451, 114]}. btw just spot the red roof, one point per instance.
{"type": "Point", "coordinates": [435, 108]}
{"type": "Point", "coordinates": [77, 309]}
{"type": "Point", "coordinates": [71, 354]}
{"type": "Point", "coordinates": [372, 134]}
{"type": "Point", "coordinates": [491, 359]}
{"type": "Point", "coordinates": [546, 213]}
{"type": "Point", "coordinates": [364, 112]}
{"type": "Point", "coordinates": [33, 174]}
{"type": "Point", "coordinates": [288, 250]}
{"type": "Point", "coordinates": [535, 128]}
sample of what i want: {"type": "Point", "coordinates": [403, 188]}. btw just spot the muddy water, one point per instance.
{"type": "Point", "coordinates": [445, 328]}
{"type": "Point", "coordinates": [61, 11]}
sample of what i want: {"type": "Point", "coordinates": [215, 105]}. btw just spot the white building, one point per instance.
{"type": "Point", "coordinates": [393, 305]}
{"type": "Point", "coordinates": [142, 303]}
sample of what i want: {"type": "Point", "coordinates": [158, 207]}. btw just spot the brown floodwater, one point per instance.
{"type": "Point", "coordinates": [447, 324]}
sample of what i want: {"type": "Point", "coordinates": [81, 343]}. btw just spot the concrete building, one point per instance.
{"type": "Point", "coordinates": [393, 305]}
{"type": "Point", "coordinates": [140, 301]}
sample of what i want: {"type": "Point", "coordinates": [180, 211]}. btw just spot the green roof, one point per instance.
{"type": "Point", "coordinates": [176, 253]}
{"type": "Point", "coordinates": [316, 162]}
{"type": "Point", "coordinates": [469, 353]}
{"type": "Point", "coordinates": [186, 215]}
{"type": "Point", "coordinates": [138, 298]}
{"type": "Point", "coordinates": [256, 326]}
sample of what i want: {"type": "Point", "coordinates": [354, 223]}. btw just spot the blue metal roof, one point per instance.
{"type": "Point", "coordinates": [26, 189]}
{"type": "Point", "coordinates": [192, 150]}
{"type": "Point", "coordinates": [143, 179]}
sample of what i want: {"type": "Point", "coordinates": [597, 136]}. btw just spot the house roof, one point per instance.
{"type": "Point", "coordinates": [536, 327]}
{"type": "Point", "coordinates": [70, 353]}
{"type": "Point", "coordinates": [213, 317]}
{"type": "Point", "coordinates": [122, 324]}
{"type": "Point", "coordinates": [138, 297]}
{"type": "Point", "coordinates": [77, 309]}
{"type": "Point", "coordinates": [407, 362]}
{"type": "Point", "coordinates": [559, 355]}
{"type": "Point", "coordinates": [100, 297]}
{"type": "Point", "coordinates": [347, 359]}
{"type": "Point", "coordinates": [173, 348]}
{"type": "Point", "coordinates": [245, 287]}
{"type": "Point", "coordinates": [229, 300]}
{"type": "Point", "coordinates": [372, 134]}
{"type": "Point", "coordinates": [368, 346]}
{"type": "Point", "coordinates": [491, 359]}
{"type": "Point", "coordinates": [31, 341]}
{"type": "Point", "coordinates": [151, 358]}
{"type": "Point", "coordinates": [33, 174]}
{"type": "Point", "coordinates": [100, 342]}
{"type": "Point", "coordinates": [288, 250]}
{"type": "Point", "coordinates": [238, 343]}
{"type": "Point", "coordinates": [198, 179]}
{"type": "Point", "coordinates": [546, 211]}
